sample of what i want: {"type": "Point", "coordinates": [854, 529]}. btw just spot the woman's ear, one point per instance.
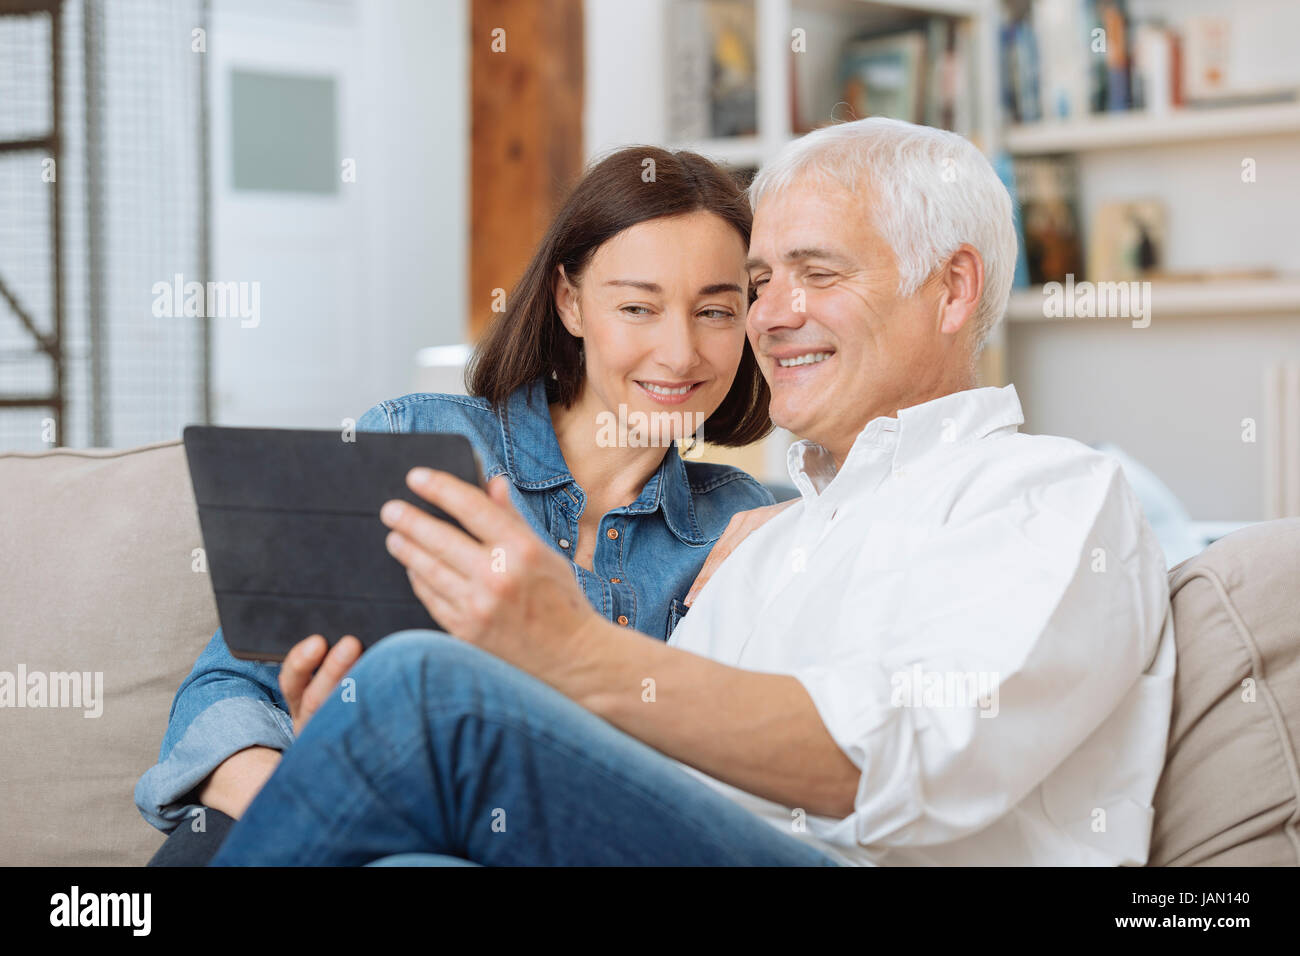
{"type": "Point", "coordinates": [566, 302]}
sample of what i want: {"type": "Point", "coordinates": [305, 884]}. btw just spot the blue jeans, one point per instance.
{"type": "Point", "coordinates": [446, 751]}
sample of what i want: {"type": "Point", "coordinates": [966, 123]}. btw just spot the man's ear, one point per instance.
{"type": "Point", "coordinates": [566, 302]}
{"type": "Point", "coordinates": [963, 286]}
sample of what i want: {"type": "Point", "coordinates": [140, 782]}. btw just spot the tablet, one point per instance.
{"type": "Point", "coordinates": [291, 531]}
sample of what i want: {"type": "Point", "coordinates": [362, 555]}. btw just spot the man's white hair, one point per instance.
{"type": "Point", "coordinates": [933, 191]}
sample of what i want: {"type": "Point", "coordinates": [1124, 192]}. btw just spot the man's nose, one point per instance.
{"type": "Point", "coordinates": [780, 306]}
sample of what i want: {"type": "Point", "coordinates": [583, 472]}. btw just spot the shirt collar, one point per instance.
{"type": "Point", "coordinates": [918, 433]}
{"type": "Point", "coordinates": [535, 462]}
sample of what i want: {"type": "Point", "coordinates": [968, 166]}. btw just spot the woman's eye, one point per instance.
{"type": "Point", "coordinates": [722, 314]}
{"type": "Point", "coordinates": [636, 310]}
{"type": "Point", "coordinates": [756, 287]}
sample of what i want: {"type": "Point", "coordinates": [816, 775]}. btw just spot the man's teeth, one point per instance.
{"type": "Point", "coordinates": [660, 390]}
{"type": "Point", "coordinates": [809, 359]}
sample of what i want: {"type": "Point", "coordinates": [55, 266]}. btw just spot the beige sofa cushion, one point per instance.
{"type": "Point", "coordinates": [1228, 795]}
{"type": "Point", "coordinates": [95, 556]}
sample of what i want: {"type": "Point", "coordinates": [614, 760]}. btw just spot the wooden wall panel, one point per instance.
{"type": "Point", "coordinates": [525, 135]}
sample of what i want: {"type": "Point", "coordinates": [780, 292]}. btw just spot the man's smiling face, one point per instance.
{"type": "Point", "coordinates": [827, 297]}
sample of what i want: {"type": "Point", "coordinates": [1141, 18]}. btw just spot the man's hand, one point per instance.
{"type": "Point", "coordinates": [741, 526]}
{"type": "Point", "coordinates": [305, 687]}
{"type": "Point", "coordinates": [499, 587]}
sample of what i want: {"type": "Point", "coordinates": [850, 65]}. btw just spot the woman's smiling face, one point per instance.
{"type": "Point", "coordinates": [661, 309]}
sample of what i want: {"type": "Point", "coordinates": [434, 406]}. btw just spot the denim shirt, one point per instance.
{"type": "Point", "coordinates": [647, 555]}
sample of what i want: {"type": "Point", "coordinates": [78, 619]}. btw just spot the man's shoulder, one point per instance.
{"type": "Point", "coordinates": [1047, 459]}
{"type": "Point", "coordinates": [1048, 480]}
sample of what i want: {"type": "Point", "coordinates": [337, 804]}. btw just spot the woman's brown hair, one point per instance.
{"type": "Point", "coordinates": [616, 193]}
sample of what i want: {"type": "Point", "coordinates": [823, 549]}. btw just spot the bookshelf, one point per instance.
{"type": "Point", "coordinates": [1175, 394]}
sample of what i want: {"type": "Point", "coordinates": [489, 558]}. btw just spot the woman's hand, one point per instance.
{"type": "Point", "coordinates": [306, 682]}
{"type": "Point", "coordinates": [741, 526]}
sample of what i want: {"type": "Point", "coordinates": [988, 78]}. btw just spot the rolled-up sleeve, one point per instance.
{"type": "Point", "coordinates": [224, 706]}
{"type": "Point", "coordinates": [1019, 632]}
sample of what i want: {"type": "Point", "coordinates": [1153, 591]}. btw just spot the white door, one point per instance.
{"type": "Point", "coordinates": [284, 111]}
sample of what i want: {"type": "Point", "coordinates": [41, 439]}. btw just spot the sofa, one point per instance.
{"type": "Point", "coordinates": [101, 574]}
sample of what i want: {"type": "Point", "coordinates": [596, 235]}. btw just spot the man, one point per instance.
{"type": "Point", "coordinates": [956, 648]}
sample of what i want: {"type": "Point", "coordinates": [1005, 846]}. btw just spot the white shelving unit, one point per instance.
{"type": "Point", "coordinates": [1175, 393]}
{"type": "Point", "coordinates": [1140, 128]}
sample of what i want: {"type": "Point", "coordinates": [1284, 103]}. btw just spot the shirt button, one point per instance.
{"type": "Point", "coordinates": [612, 533]}
{"type": "Point", "coordinates": [564, 542]}
{"type": "Point", "coordinates": [622, 619]}
{"type": "Point", "coordinates": [615, 580]}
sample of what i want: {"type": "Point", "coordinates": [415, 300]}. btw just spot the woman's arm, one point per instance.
{"type": "Point", "coordinates": [225, 706]}
{"type": "Point", "coordinates": [233, 785]}
{"type": "Point", "coordinates": [232, 746]}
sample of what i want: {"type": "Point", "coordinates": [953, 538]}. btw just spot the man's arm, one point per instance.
{"type": "Point", "coordinates": [495, 584]}
{"type": "Point", "coordinates": [758, 732]}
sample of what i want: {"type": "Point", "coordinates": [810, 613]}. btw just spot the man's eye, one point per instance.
{"type": "Point", "coordinates": [820, 275]}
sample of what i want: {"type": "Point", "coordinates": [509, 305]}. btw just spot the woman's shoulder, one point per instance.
{"type": "Point", "coordinates": [427, 411]}
{"type": "Point", "coordinates": [726, 486]}
{"type": "Point", "coordinates": [468, 415]}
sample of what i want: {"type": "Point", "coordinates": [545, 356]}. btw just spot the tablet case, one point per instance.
{"type": "Point", "coordinates": [291, 530]}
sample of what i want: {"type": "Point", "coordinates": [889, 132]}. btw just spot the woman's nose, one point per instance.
{"type": "Point", "coordinates": [679, 352]}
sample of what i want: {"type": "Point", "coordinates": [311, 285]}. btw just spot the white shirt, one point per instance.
{"type": "Point", "coordinates": [982, 621]}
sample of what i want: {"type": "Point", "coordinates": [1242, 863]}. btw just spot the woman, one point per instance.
{"type": "Point", "coordinates": [626, 332]}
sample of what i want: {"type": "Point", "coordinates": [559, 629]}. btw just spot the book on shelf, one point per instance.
{"type": "Point", "coordinates": [921, 73]}
{"type": "Point", "coordinates": [1004, 166]}
{"type": "Point", "coordinates": [1063, 60]}
{"type": "Point", "coordinates": [1019, 62]}
{"type": "Point", "coordinates": [885, 75]}
{"type": "Point", "coordinates": [1060, 33]}
{"type": "Point", "coordinates": [712, 75]}
{"type": "Point", "coordinates": [1047, 190]}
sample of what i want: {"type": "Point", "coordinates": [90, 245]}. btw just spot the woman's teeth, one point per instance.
{"type": "Point", "coordinates": [809, 359]}
{"type": "Point", "coordinates": [660, 390]}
